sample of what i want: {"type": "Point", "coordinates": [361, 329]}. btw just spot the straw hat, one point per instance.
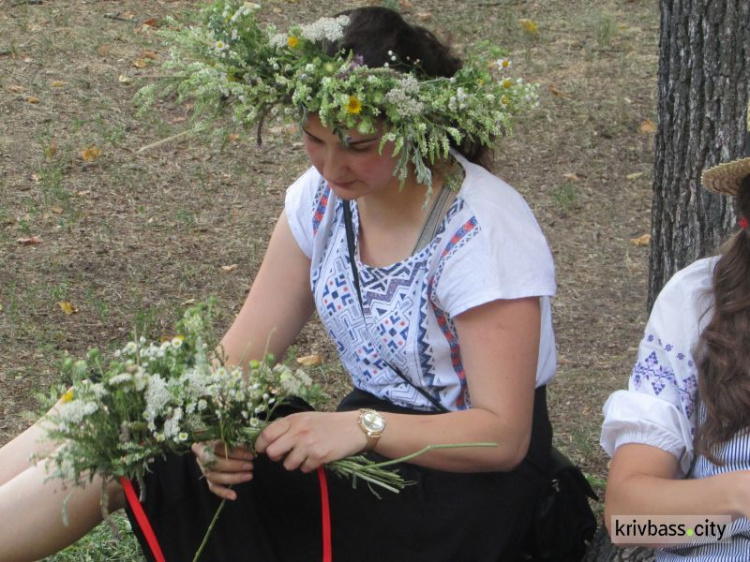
{"type": "Point", "coordinates": [726, 178]}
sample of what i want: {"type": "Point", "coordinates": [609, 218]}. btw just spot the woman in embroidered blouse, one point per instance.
{"type": "Point", "coordinates": [465, 319]}
{"type": "Point", "coordinates": [679, 436]}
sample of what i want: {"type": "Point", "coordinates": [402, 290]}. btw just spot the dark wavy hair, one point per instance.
{"type": "Point", "coordinates": [374, 31]}
{"type": "Point", "coordinates": [724, 346]}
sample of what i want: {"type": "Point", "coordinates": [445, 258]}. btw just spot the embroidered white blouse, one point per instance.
{"type": "Point", "coordinates": [660, 407]}
{"type": "Point", "coordinates": [488, 247]}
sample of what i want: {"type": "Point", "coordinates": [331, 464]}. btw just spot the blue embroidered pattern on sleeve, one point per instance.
{"type": "Point", "coordinates": [649, 370]}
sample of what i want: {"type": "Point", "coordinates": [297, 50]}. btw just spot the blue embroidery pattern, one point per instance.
{"type": "Point", "coordinates": [658, 374]}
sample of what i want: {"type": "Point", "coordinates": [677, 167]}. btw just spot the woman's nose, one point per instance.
{"type": "Point", "coordinates": [333, 165]}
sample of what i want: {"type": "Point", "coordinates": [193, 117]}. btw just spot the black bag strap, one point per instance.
{"type": "Point", "coordinates": [348, 223]}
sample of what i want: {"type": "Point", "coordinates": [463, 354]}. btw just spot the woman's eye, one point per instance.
{"type": "Point", "coordinates": [361, 147]}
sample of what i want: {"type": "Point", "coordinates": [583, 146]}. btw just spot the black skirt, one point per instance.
{"type": "Point", "coordinates": [442, 517]}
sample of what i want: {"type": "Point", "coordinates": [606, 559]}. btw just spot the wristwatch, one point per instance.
{"type": "Point", "coordinates": [372, 425]}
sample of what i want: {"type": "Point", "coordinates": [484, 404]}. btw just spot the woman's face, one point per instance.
{"type": "Point", "coordinates": [352, 169]}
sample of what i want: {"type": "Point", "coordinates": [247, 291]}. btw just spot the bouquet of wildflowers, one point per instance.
{"type": "Point", "coordinates": [228, 62]}
{"type": "Point", "coordinates": [154, 398]}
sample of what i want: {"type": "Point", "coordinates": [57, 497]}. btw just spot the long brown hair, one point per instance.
{"type": "Point", "coordinates": [724, 346]}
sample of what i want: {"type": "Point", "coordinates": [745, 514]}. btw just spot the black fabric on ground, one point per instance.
{"type": "Point", "coordinates": [442, 517]}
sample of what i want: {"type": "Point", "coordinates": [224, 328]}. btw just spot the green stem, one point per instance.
{"type": "Point", "coordinates": [427, 449]}
{"type": "Point", "coordinates": [208, 532]}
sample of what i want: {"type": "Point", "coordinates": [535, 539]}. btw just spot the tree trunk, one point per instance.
{"type": "Point", "coordinates": [703, 90]}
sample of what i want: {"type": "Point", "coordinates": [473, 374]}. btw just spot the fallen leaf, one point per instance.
{"type": "Point", "coordinates": [103, 50]}
{"type": "Point", "coordinates": [127, 15]}
{"type": "Point", "coordinates": [648, 126]}
{"type": "Point", "coordinates": [51, 150]}
{"type": "Point", "coordinates": [187, 302]}
{"type": "Point", "coordinates": [229, 268]}
{"type": "Point", "coordinates": [406, 4]}
{"type": "Point", "coordinates": [83, 193]}
{"type": "Point", "coordinates": [67, 307]}
{"type": "Point", "coordinates": [145, 54]}
{"type": "Point", "coordinates": [1, 307]}
{"type": "Point", "coordinates": [423, 16]}
{"type": "Point", "coordinates": [16, 89]}
{"type": "Point", "coordinates": [233, 137]}
{"type": "Point", "coordinates": [140, 63]}
{"type": "Point", "coordinates": [124, 79]}
{"type": "Point", "coordinates": [644, 240]}
{"type": "Point", "coordinates": [57, 83]}
{"type": "Point", "coordinates": [36, 178]}
{"type": "Point", "coordinates": [29, 241]}
{"type": "Point", "coordinates": [33, 99]}
{"type": "Point", "coordinates": [560, 94]}
{"type": "Point", "coordinates": [572, 177]}
{"type": "Point", "coordinates": [151, 22]}
{"type": "Point", "coordinates": [90, 154]}
{"type": "Point", "coordinates": [310, 360]}
{"type": "Point", "coordinates": [634, 176]}
{"type": "Point", "coordinates": [529, 26]}
{"type": "Point", "coordinates": [56, 210]}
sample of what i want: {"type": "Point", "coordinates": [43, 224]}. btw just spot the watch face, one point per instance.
{"type": "Point", "coordinates": [373, 421]}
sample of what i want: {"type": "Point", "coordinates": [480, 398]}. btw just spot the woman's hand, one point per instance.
{"type": "Point", "coordinates": [223, 468]}
{"type": "Point", "coordinates": [308, 440]}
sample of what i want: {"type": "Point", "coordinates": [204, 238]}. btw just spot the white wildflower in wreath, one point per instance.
{"type": "Point", "coordinates": [259, 70]}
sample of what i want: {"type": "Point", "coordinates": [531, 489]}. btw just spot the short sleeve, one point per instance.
{"type": "Point", "coordinates": [303, 198]}
{"type": "Point", "coordinates": [660, 406]}
{"type": "Point", "coordinates": [497, 252]}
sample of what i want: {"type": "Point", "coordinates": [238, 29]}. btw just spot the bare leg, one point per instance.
{"type": "Point", "coordinates": [15, 455]}
{"type": "Point", "coordinates": [31, 514]}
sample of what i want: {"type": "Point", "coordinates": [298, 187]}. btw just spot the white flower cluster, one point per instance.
{"type": "Point", "coordinates": [404, 97]}
{"type": "Point", "coordinates": [158, 397]}
{"type": "Point", "coordinates": [328, 29]}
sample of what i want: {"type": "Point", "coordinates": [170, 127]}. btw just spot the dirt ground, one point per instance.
{"type": "Point", "coordinates": [99, 238]}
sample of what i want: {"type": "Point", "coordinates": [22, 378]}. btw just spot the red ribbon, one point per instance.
{"type": "Point", "coordinates": [153, 543]}
{"type": "Point", "coordinates": [142, 519]}
{"type": "Point", "coordinates": [325, 515]}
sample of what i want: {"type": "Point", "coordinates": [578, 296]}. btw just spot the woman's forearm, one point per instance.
{"type": "Point", "coordinates": [406, 434]}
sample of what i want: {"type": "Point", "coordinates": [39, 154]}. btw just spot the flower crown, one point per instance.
{"type": "Point", "coordinates": [229, 61]}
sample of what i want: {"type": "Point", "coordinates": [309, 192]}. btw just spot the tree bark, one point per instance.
{"type": "Point", "coordinates": [703, 81]}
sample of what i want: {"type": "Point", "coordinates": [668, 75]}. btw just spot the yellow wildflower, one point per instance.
{"type": "Point", "coordinates": [67, 397]}
{"type": "Point", "coordinates": [506, 83]}
{"type": "Point", "coordinates": [354, 106]}
{"type": "Point", "coordinates": [292, 42]}
{"type": "Point", "coordinates": [529, 26]}
{"type": "Point", "coordinates": [505, 100]}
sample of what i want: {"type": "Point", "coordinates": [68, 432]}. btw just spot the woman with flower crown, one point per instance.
{"type": "Point", "coordinates": [679, 435]}
{"type": "Point", "coordinates": [432, 278]}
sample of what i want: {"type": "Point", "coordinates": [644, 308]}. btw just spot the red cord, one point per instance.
{"type": "Point", "coordinates": [153, 543]}
{"type": "Point", "coordinates": [140, 516]}
{"type": "Point", "coordinates": [325, 515]}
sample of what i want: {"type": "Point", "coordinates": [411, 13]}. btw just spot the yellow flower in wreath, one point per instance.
{"type": "Point", "coordinates": [292, 42]}
{"type": "Point", "coordinates": [354, 106]}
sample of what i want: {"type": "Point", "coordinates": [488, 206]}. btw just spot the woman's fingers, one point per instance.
{"type": "Point", "coordinates": [223, 467]}
{"type": "Point", "coordinates": [270, 435]}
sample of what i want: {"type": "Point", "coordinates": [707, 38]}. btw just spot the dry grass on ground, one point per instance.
{"type": "Point", "coordinates": [128, 237]}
